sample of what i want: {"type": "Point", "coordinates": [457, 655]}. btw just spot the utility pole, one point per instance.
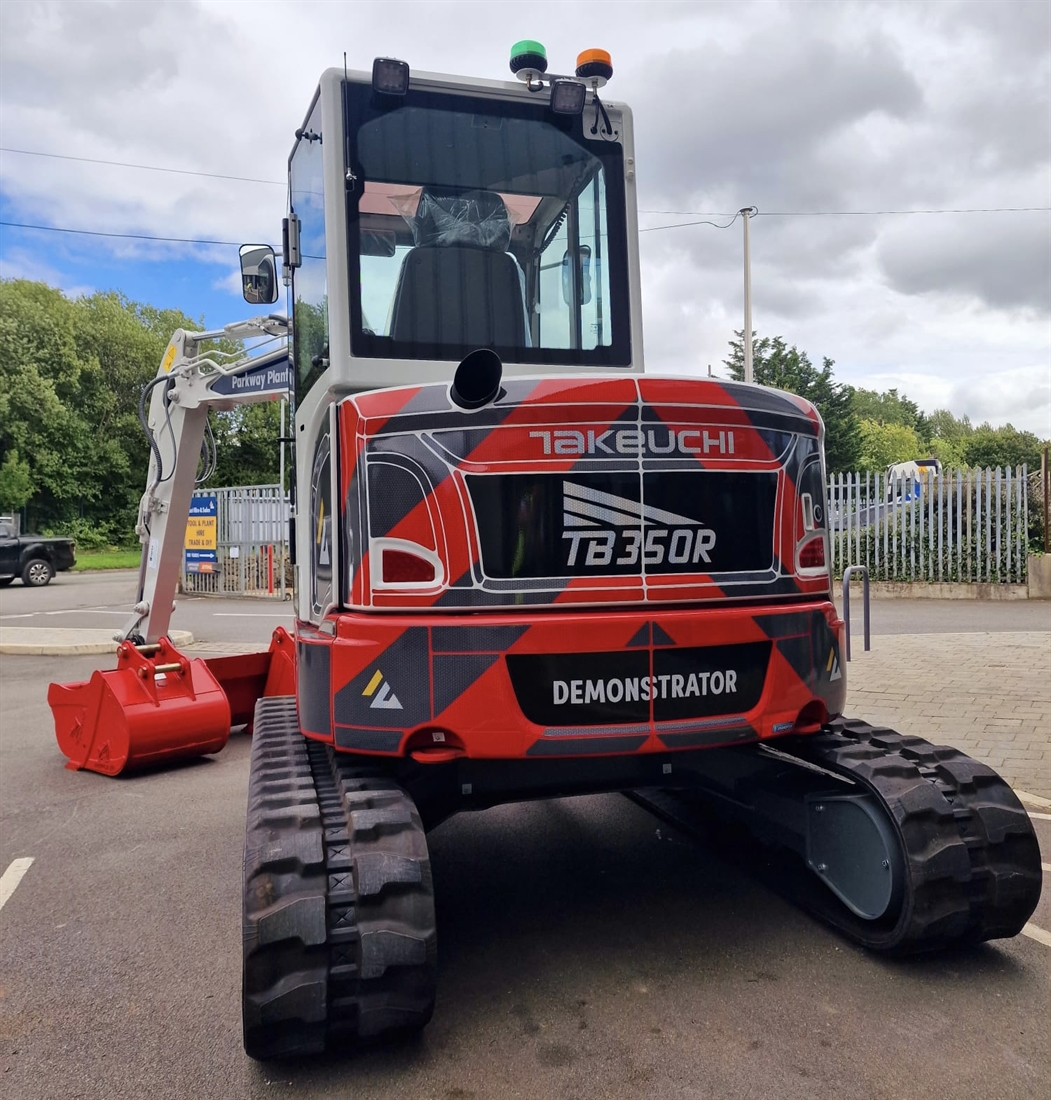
{"type": "Point", "coordinates": [747, 213]}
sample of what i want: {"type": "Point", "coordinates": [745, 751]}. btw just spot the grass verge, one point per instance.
{"type": "Point", "coordinates": [107, 559]}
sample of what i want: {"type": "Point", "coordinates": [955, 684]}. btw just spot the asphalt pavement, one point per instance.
{"type": "Point", "coordinates": [586, 950]}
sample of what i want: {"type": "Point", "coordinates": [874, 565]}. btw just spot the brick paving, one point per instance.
{"type": "Point", "coordinates": [987, 694]}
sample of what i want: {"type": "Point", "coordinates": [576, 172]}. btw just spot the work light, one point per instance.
{"type": "Point", "coordinates": [567, 97]}
{"type": "Point", "coordinates": [389, 76]}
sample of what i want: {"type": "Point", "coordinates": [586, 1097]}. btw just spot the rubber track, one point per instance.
{"type": "Point", "coordinates": [972, 859]}
{"type": "Point", "coordinates": [339, 929]}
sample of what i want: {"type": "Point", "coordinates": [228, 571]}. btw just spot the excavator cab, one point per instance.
{"type": "Point", "coordinates": [430, 217]}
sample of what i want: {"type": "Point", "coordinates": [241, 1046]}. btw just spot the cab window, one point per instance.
{"type": "Point", "coordinates": [476, 224]}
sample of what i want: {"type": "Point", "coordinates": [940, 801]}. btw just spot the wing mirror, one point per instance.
{"type": "Point", "coordinates": [258, 274]}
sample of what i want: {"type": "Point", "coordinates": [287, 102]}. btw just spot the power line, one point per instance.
{"type": "Point", "coordinates": [846, 214]}
{"type": "Point", "coordinates": [233, 244]}
{"type": "Point", "coordinates": [692, 213]}
{"type": "Point", "coordinates": [142, 167]}
{"type": "Point", "coordinates": [679, 225]}
{"type": "Point", "coordinates": [126, 236]}
{"type": "Point", "coordinates": [871, 213]}
{"type": "Point", "coordinates": [680, 213]}
{"type": "Point", "coordinates": [647, 229]}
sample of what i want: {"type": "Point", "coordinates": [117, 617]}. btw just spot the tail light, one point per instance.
{"type": "Point", "coordinates": [812, 554]}
{"type": "Point", "coordinates": [403, 567]}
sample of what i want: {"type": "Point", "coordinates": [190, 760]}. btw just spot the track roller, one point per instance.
{"type": "Point", "coordinates": [338, 916]}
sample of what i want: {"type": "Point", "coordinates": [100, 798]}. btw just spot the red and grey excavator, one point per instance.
{"type": "Point", "coordinates": [524, 567]}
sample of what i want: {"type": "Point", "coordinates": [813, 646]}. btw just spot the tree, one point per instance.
{"type": "Point", "coordinates": [40, 412]}
{"type": "Point", "coordinates": [892, 408]}
{"type": "Point", "coordinates": [16, 482]}
{"type": "Point", "coordinates": [246, 440]}
{"type": "Point", "coordinates": [72, 449]}
{"type": "Point", "coordinates": [949, 452]}
{"type": "Point", "coordinates": [883, 444]}
{"type": "Point", "coordinates": [786, 368]}
{"type": "Point", "coordinates": [948, 436]}
{"type": "Point", "coordinates": [1005, 446]}
{"type": "Point", "coordinates": [944, 425]}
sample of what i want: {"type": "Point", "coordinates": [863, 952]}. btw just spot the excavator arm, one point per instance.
{"type": "Point", "coordinates": [194, 377]}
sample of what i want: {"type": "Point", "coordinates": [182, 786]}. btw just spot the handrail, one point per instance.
{"type": "Point", "coordinates": [847, 574]}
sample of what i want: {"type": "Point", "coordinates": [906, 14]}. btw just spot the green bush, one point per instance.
{"type": "Point", "coordinates": [93, 535]}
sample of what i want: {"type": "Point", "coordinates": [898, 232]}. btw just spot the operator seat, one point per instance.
{"type": "Point", "coordinates": [459, 286]}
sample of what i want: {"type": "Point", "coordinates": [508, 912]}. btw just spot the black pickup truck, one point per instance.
{"type": "Point", "coordinates": [36, 560]}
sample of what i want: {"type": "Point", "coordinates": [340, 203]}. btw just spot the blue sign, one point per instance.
{"type": "Point", "coordinates": [201, 543]}
{"type": "Point", "coordinates": [272, 377]}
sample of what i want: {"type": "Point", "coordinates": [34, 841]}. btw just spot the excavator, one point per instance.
{"type": "Point", "coordinates": [525, 567]}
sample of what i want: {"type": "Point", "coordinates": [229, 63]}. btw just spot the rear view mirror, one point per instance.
{"type": "Point", "coordinates": [258, 274]}
{"type": "Point", "coordinates": [583, 275]}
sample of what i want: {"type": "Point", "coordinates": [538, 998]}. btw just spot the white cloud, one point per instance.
{"type": "Point", "coordinates": [20, 263]}
{"type": "Point", "coordinates": [230, 283]}
{"type": "Point", "coordinates": [1001, 260]}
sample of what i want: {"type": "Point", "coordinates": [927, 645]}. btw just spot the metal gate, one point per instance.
{"type": "Point", "coordinates": [251, 545]}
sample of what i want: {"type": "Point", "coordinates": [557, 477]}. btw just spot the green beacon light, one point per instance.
{"type": "Point", "coordinates": [528, 60]}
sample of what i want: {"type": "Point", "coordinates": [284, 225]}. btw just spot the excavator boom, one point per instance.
{"type": "Point", "coordinates": [192, 379]}
{"type": "Point", "coordinates": [157, 705]}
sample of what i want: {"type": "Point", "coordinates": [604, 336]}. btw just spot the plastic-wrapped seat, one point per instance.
{"type": "Point", "coordinates": [459, 286]}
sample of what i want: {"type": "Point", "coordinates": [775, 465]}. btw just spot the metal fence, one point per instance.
{"type": "Point", "coordinates": [251, 545]}
{"type": "Point", "coordinates": [958, 525]}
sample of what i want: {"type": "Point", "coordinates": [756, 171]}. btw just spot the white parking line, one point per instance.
{"type": "Point", "coordinates": [12, 877]}
{"type": "Point", "coordinates": [1033, 799]}
{"type": "Point", "coordinates": [1037, 934]}
{"type": "Point", "coordinates": [1040, 817]}
{"type": "Point", "coordinates": [1046, 866]}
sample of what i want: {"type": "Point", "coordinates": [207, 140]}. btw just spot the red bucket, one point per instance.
{"type": "Point", "coordinates": [155, 707]}
{"type": "Point", "coordinates": [248, 677]}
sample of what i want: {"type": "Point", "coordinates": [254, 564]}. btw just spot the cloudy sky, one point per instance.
{"type": "Point", "coordinates": [804, 110]}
